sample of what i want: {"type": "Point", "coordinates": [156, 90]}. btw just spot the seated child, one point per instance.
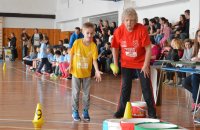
{"type": "Point", "coordinates": [187, 54]}
{"type": "Point", "coordinates": [174, 54]}
{"type": "Point", "coordinates": [59, 59]}
{"type": "Point", "coordinates": [36, 61]}
{"type": "Point", "coordinates": [28, 60]}
{"type": "Point", "coordinates": [64, 65]}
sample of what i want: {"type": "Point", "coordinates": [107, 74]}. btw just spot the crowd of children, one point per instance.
{"type": "Point", "coordinates": [48, 60]}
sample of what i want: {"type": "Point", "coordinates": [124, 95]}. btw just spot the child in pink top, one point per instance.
{"type": "Point", "coordinates": [155, 53]}
{"type": "Point", "coordinates": [64, 65]}
{"type": "Point", "coordinates": [166, 33]}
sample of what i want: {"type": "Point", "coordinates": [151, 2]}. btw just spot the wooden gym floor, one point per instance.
{"type": "Point", "coordinates": [21, 90]}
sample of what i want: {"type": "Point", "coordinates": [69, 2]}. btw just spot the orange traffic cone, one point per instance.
{"type": "Point", "coordinates": [4, 66]}
{"type": "Point", "coordinates": [128, 110]}
{"type": "Point", "coordinates": [38, 120]}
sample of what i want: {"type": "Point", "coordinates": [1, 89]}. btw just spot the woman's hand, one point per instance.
{"type": "Point", "coordinates": [146, 71]}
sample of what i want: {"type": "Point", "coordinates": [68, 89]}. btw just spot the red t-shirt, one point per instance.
{"type": "Point", "coordinates": [132, 45]}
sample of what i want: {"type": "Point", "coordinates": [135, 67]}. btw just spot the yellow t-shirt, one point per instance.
{"type": "Point", "coordinates": [82, 58]}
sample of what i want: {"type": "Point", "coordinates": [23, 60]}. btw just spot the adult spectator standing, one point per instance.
{"type": "Point", "coordinates": [113, 27]}
{"type": "Point", "coordinates": [25, 40]}
{"type": "Point", "coordinates": [13, 41]}
{"type": "Point", "coordinates": [185, 33]}
{"type": "Point", "coordinates": [100, 26]}
{"type": "Point", "coordinates": [76, 35]}
{"type": "Point", "coordinates": [35, 40]}
{"type": "Point", "coordinates": [133, 41]}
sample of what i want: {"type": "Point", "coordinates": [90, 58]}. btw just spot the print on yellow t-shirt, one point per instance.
{"type": "Point", "coordinates": [82, 58]}
{"type": "Point", "coordinates": [82, 63]}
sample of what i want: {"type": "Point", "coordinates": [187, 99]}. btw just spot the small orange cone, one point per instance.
{"type": "Point", "coordinates": [128, 110]}
{"type": "Point", "coordinates": [4, 66]}
{"type": "Point", "coordinates": [38, 120]}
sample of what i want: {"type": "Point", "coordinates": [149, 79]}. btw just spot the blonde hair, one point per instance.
{"type": "Point", "coordinates": [177, 43]}
{"type": "Point", "coordinates": [130, 12]}
{"type": "Point", "coordinates": [88, 25]}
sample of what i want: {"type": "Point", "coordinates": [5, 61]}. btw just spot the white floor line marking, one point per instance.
{"type": "Point", "coordinates": [72, 122]}
{"type": "Point", "coordinates": [22, 128]}
{"type": "Point", "coordinates": [15, 120]}
{"type": "Point", "coordinates": [16, 81]}
{"type": "Point", "coordinates": [69, 87]}
{"type": "Point", "coordinates": [61, 122]}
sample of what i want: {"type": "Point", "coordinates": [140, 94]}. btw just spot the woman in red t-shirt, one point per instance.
{"type": "Point", "coordinates": [133, 40]}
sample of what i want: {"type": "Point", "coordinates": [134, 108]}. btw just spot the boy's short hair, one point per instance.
{"type": "Point", "coordinates": [58, 52]}
{"type": "Point", "coordinates": [77, 28]}
{"type": "Point", "coordinates": [88, 25]}
{"type": "Point", "coordinates": [187, 11]}
{"type": "Point", "coordinates": [38, 47]}
{"type": "Point", "coordinates": [65, 48]}
{"type": "Point", "coordinates": [108, 43]}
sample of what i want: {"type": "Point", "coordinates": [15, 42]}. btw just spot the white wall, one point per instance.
{"type": "Point", "coordinates": [81, 9]}
{"type": "Point", "coordinates": [195, 17]}
{"type": "Point", "coordinates": [64, 26]}
{"type": "Point", "coordinates": [146, 3]}
{"type": "Point", "coordinates": [12, 22]}
{"type": "Point", "coordinates": [28, 7]}
{"type": "Point", "coordinates": [170, 10]}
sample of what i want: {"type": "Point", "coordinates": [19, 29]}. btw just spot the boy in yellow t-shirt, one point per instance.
{"type": "Point", "coordinates": [83, 54]}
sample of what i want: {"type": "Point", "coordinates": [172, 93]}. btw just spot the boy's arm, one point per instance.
{"type": "Point", "coordinates": [97, 72]}
{"type": "Point", "coordinates": [70, 63]}
{"type": "Point", "coordinates": [95, 65]}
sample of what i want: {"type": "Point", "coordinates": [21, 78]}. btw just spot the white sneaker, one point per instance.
{"type": "Point", "coordinates": [166, 81]}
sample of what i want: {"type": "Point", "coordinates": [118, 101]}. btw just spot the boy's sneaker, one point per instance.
{"type": "Point", "coordinates": [166, 81]}
{"type": "Point", "coordinates": [69, 77]}
{"type": "Point", "coordinates": [76, 116]}
{"type": "Point", "coordinates": [38, 73]}
{"type": "Point", "coordinates": [85, 115]}
{"type": "Point", "coordinates": [197, 120]}
{"type": "Point", "coordinates": [171, 82]}
{"type": "Point", "coordinates": [53, 76]}
{"type": "Point", "coordinates": [46, 73]}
